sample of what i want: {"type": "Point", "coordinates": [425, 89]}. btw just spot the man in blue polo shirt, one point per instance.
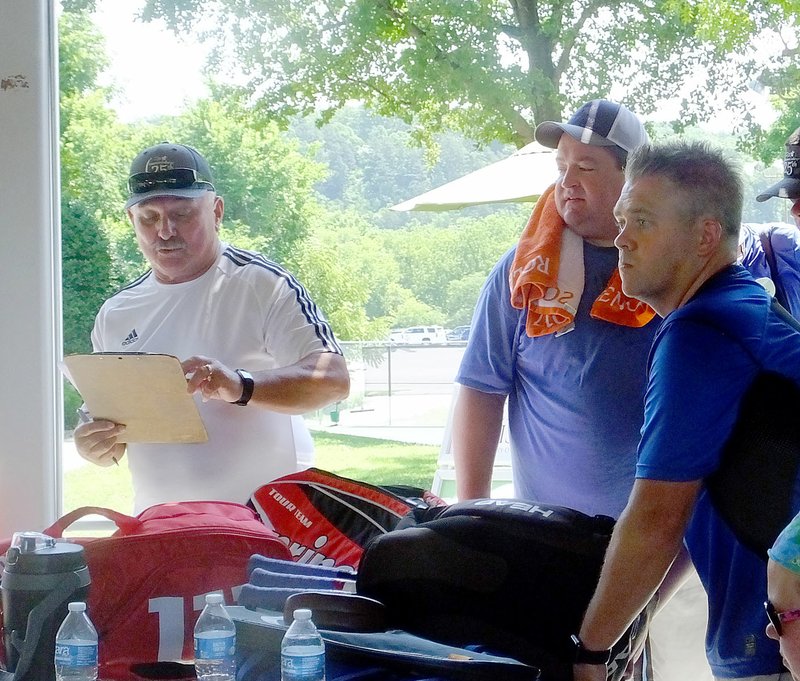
{"type": "Point", "coordinates": [679, 216]}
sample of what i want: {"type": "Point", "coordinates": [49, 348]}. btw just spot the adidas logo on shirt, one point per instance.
{"type": "Point", "coordinates": [132, 338]}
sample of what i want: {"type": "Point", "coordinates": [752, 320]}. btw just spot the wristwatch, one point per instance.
{"type": "Point", "coordinates": [582, 655]}
{"type": "Point", "coordinates": [247, 387]}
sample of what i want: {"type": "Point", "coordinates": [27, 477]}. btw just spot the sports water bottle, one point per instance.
{"type": "Point", "coordinates": [76, 646]}
{"type": "Point", "coordinates": [302, 650]}
{"type": "Point", "coordinates": [215, 642]}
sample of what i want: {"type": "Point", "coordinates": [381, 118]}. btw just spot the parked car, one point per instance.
{"type": "Point", "coordinates": [424, 334]}
{"type": "Point", "coordinates": [459, 333]}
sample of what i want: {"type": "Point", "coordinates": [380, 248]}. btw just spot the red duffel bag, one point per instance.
{"type": "Point", "coordinates": [149, 579]}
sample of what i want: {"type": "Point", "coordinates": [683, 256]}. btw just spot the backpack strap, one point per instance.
{"type": "Point", "coordinates": [769, 253]}
{"type": "Point", "coordinates": [779, 309]}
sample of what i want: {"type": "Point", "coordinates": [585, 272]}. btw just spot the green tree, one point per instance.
{"type": "Point", "coordinates": [95, 147]}
{"type": "Point", "coordinates": [411, 312]}
{"type": "Point", "coordinates": [462, 295]}
{"type": "Point", "coordinates": [490, 69]}
{"type": "Point", "coordinates": [373, 163]}
{"type": "Point", "coordinates": [431, 258]}
{"type": "Point", "coordinates": [357, 284]}
{"type": "Point", "coordinates": [81, 53]}
{"type": "Point", "coordinates": [91, 149]}
{"type": "Point", "coordinates": [85, 265]}
{"type": "Point", "coordinates": [266, 181]}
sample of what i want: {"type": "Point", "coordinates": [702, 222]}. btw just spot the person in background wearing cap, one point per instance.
{"type": "Point", "coordinates": [771, 251]}
{"type": "Point", "coordinates": [789, 186]}
{"type": "Point", "coordinates": [256, 351]}
{"type": "Point", "coordinates": [783, 591]}
{"type": "Point", "coordinates": [679, 219]}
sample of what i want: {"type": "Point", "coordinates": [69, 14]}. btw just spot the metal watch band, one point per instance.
{"type": "Point", "coordinates": [582, 655]}
{"type": "Point", "coordinates": [248, 384]}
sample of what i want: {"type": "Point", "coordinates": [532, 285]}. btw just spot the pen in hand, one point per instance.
{"type": "Point", "coordinates": [85, 417]}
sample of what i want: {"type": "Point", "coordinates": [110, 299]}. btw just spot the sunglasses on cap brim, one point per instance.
{"type": "Point", "coordinates": [177, 178]}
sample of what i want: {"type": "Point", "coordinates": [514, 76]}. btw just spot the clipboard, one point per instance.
{"type": "Point", "coordinates": [144, 391]}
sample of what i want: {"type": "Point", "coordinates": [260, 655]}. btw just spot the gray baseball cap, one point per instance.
{"type": "Point", "coordinates": [168, 170]}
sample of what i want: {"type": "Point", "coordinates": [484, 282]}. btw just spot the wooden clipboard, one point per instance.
{"type": "Point", "coordinates": [144, 391]}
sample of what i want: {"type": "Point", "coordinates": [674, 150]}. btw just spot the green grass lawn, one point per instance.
{"type": "Point", "coordinates": [380, 462]}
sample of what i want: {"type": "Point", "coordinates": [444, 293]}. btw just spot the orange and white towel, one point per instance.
{"type": "Point", "coordinates": [547, 277]}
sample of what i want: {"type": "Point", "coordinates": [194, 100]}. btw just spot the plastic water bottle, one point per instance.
{"type": "Point", "coordinates": [302, 650]}
{"type": "Point", "coordinates": [215, 642]}
{"type": "Point", "coordinates": [76, 646]}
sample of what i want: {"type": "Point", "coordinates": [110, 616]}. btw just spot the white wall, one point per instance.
{"type": "Point", "coordinates": [30, 268]}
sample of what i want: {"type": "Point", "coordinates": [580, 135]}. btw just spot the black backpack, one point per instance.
{"type": "Point", "coordinates": [511, 576]}
{"type": "Point", "coordinates": [754, 487]}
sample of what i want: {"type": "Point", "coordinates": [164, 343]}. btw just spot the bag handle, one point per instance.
{"type": "Point", "coordinates": [126, 524]}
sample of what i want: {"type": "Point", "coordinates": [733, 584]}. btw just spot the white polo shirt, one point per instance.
{"type": "Point", "coordinates": [248, 313]}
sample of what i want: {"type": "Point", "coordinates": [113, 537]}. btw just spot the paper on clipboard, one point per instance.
{"type": "Point", "coordinates": [144, 391]}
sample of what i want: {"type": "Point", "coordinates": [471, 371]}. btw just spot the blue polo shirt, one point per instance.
{"type": "Point", "coordinates": [705, 356]}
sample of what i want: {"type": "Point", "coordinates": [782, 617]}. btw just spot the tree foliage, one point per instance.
{"type": "Point", "coordinates": [374, 164]}
{"type": "Point", "coordinates": [90, 180]}
{"type": "Point", "coordinates": [315, 198]}
{"type": "Point", "coordinates": [85, 267]}
{"type": "Point", "coordinates": [432, 261]}
{"type": "Point", "coordinates": [266, 181]}
{"type": "Point", "coordinates": [491, 69]}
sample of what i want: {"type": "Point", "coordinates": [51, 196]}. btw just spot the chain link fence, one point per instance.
{"type": "Point", "coordinates": [396, 386]}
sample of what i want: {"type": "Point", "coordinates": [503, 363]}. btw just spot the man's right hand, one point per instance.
{"type": "Point", "coordinates": [96, 441]}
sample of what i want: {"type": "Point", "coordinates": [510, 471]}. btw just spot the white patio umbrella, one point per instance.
{"type": "Point", "coordinates": [523, 176]}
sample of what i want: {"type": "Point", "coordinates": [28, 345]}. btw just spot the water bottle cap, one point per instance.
{"type": "Point", "coordinates": [28, 542]}
{"type": "Point", "coordinates": [302, 614]}
{"type": "Point", "coordinates": [33, 553]}
{"type": "Point", "coordinates": [214, 599]}
{"type": "Point", "coordinates": [77, 606]}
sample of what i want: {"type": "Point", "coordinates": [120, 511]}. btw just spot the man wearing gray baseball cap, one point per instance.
{"type": "Point", "coordinates": [256, 350]}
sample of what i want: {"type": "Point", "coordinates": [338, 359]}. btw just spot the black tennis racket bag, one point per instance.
{"type": "Point", "coordinates": [512, 576]}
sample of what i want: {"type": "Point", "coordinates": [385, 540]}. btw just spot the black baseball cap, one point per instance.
{"type": "Point", "coordinates": [789, 186]}
{"type": "Point", "coordinates": [600, 123]}
{"type": "Point", "coordinates": [168, 169]}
